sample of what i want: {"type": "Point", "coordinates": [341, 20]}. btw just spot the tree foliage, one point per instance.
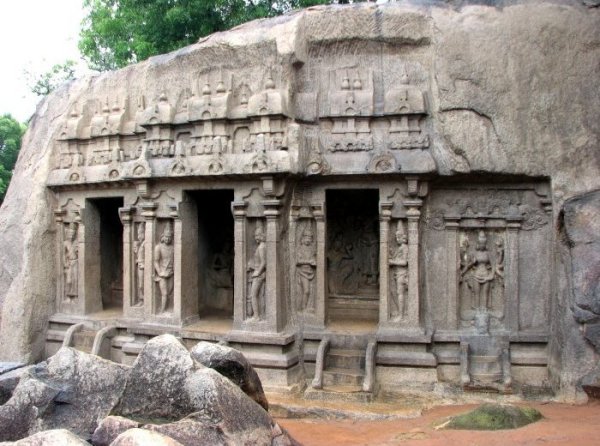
{"type": "Point", "coordinates": [116, 33]}
{"type": "Point", "coordinates": [11, 132]}
{"type": "Point", "coordinates": [45, 83]}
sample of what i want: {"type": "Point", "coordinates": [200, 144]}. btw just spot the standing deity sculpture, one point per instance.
{"type": "Point", "coordinates": [306, 264]}
{"type": "Point", "coordinates": [369, 267]}
{"type": "Point", "coordinates": [71, 262]}
{"type": "Point", "coordinates": [340, 260]}
{"type": "Point", "coordinates": [257, 272]}
{"type": "Point", "coordinates": [139, 249]}
{"type": "Point", "coordinates": [164, 255]}
{"type": "Point", "coordinates": [399, 263]}
{"type": "Point", "coordinates": [482, 273]}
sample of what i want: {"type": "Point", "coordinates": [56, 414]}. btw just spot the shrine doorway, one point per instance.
{"type": "Point", "coordinates": [215, 254]}
{"type": "Point", "coordinates": [106, 251]}
{"type": "Point", "coordinates": [352, 255]}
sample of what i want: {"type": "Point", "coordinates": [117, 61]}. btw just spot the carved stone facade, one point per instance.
{"type": "Point", "coordinates": [304, 201]}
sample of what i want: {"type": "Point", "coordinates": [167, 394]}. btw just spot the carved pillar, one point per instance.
{"type": "Point", "coordinates": [413, 215]}
{"type": "Point", "coordinates": [452, 271]}
{"type": "Point", "coordinates": [90, 295]}
{"type": "Point", "coordinates": [318, 211]}
{"type": "Point", "coordinates": [187, 262]}
{"type": "Point", "coordinates": [293, 228]}
{"type": "Point", "coordinates": [511, 278]}
{"type": "Point", "coordinates": [178, 309]}
{"type": "Point", "coordinates": [274, 306]}
{"type": "Point", "coordinates": [385, 212]}
{"type": "Point", "coordinates": [149, 215]}
{"type": "Point", "coordinates": [59, 216]}
{"type": "Point", "coordinates": [239, 292]}
{"type": "Point", "coordinates": [129, 270]}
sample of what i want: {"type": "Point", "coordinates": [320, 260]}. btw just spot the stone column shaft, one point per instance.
{"type": "Point", "coordinates": [511, 276]}
{"type": "Point", "coordinates": [149, 214]}
{"type": "Point", "coordinates": [452, 273]}
{"type": "Point", "coordinates": [240, 282]}
{"type": "Point", "coordinates": [413, 302]}
{"type": "Point", "coordinates": [321, 270]}
{"type": "Point", "coordinates": [273, 305]}
{"type": "Point", "coordinates": [129, 290]}
{"type": "Point", "coordinates": [385, 212]}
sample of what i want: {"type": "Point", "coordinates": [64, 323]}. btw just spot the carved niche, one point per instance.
{"type": "Point", "coordinates": [68, 219]}
{"type": "Point", "coordinates": [163, 265]}
{"type": "Point", "coordinates": [256, 273]}
{"type": "Point", "coordinates": [306, 264]}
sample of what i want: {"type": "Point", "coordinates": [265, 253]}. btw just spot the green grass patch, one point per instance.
{"type": "Point", "coordinates": [491, 417]}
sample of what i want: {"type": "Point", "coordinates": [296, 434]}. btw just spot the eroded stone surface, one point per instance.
{"type": "Point", "coordinates": [233, 365]}
{"type": "Point", "coordinates": [110, 428]}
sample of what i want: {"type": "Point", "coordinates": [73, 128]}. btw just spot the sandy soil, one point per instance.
{"type": "Point", "coordinates": [563, 424]}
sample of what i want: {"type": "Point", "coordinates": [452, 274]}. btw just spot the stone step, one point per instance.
{"type": "Point", "coordinates": [345, 359]}
{"type": "Point", "coordinates": [350, 394]}
{"type": "Point", "coordinates": [342, 377]}
{"type": "Point", "coordinates": [353, 308]}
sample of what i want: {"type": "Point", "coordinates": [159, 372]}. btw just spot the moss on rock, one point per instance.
{"type": "Point", "coordinates": [494, 417]}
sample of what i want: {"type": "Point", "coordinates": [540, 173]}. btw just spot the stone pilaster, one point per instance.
{"type": "Point", "coordinates": [129, 266]}
{"type": "Point", "coordinates": [511, 276]}
{"type": "Point", "coordinates": [412, 321]}
{"type": "Point", "coordinates": [452, 273]}
{"type": "Point", "coordinates": [240, 284]}
{"type": "Point", "coordinates": [274, 316]}
{"type": "Point", "coordinates": [149, 214]}
{"type": "Point", "coordinates": [320, 316]}
{"type": "Point", "coordinates": [385, 212]}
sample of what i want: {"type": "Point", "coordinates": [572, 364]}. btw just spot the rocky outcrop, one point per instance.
{"type": "Point", "coordinates": [72, 390]}
{"type": "Point", "coordinates": [54, 437]}
{"type": "Point", "coordinates": [77, 391]}
{"type": "Point", "coordinates": [232, 364]}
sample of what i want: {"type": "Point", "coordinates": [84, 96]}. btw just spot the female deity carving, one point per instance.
{"type": "Point", "coordinates": [483, 273]}
{"type": "Point", "coordinates": [71, 262]}
{"type": "Point", "coordinates": [305, 266]}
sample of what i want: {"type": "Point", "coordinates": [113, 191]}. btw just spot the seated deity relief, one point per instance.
{"type": "Point", "coordinates": [481, 275]}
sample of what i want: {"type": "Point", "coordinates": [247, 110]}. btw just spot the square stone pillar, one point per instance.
{"type": "Point", "coordinates": [274, 316]}
{"type": "Point", "coordinates": [148, 212]}
{"type": "Point", "coordinates": [129, 265]}
{"type": "Point", "coordinates": [90, 295]}
{"type": "Point", "coordinates": [186, 260]}
{"type": "Point", "coordinates": [238, 209]}
{"type": "Point", "coordinates": [511, 275]}
{"type": "Point", "coordinates": [320, 316]}
{"type": "Point", "coordinates": [452, 272]}
{"type": "Point", "coordinates": [385, 212]}
{"type": "Point", "coordinates": [411, 324]}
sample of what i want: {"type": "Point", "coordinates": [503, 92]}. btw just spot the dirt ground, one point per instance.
{"type": "Point", "coordinates": [562, 424]}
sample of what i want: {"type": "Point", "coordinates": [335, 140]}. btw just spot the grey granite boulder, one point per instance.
{"type": "Point", "coordinates": [110, 428]}
{"type": "Point", "coordinates": [143, 437]}
{"type": "Point", "coordinates": [72, 390]}
{"type": "Point", "coordinates": [232, 364]}
{"type": "Point", "coordinates": [166, 383]}
{"type": "Point", "coordinates": [54, 437]}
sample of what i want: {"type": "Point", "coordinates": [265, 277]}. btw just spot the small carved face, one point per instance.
{"type": "Point", "coordinates": [167, 239]}
{"type": "Point", "coordinates": [401, 238]}
{"type": "Point", "coordinates": [259, 237]}
{"type": "Point", "coordinates": [307, 239]}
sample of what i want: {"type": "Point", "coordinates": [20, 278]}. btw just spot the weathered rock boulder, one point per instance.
{"type": "Point", "coordinates": [143, 437]}
{"type": "Point", "coordinates": [581, 235]}
{"type": "Point", "coordinates": [110, 428]}
{"type": "Point", "coordinates": [72, 390]}
{"type": "Point", "coordinates": [9, 380]}
{"type": "Point", "coordinates": [165, 382]}
{"type": "Point", "coordinates": [54, 437]}
{"type": "Point", "coordinates": [232, 364]}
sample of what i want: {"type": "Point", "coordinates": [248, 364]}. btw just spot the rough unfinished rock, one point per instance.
{"type": "Point", "coordinates": [110, 428]}
{"type": "Point", "coordinates": [72, 390]}
{"type": "Point", "coordinates": [143, 437]}
{"type": "Point", "coordinates": [54, 437]}
{"type": "Point", "coordinates": [232, 364]}
{"type": "Point", "coordinates": [165, 382]}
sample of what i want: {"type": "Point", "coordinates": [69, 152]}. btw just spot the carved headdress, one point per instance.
{"type": "Point", "coordinates": [168, 231]}
{"type": "Point", "coordinates": [259, 231]}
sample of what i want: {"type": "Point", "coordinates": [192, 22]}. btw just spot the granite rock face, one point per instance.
{"type": "Point", "coordinates": [72, 390]}
{"type": "Point", "coordinates": [502, 94]}
{"type": "Point", "coordinates": [232, 364]}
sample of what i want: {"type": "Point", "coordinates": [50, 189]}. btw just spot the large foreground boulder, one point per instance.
{"type": "Point", "coordinates": [232, 364]}
{"type": "Point", "coordinates": [72, 390]}
{"type": "Point", "coordinates": [54, 437]}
